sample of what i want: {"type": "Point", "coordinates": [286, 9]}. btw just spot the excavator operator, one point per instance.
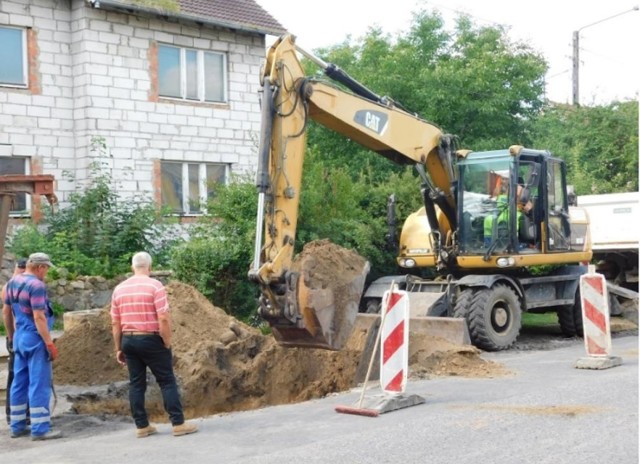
{"type": "Point", "coordinates": [501, 217]}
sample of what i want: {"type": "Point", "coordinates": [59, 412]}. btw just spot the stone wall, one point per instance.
{"type": "Point", "coordinates": [81, 293]}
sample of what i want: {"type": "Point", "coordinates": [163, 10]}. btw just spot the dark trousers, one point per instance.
{"type": "Point", "coordinates": [9, 381]}
{"type": "Point", "coordinates": [142, 351]}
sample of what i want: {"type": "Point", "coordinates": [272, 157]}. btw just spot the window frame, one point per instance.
{"type": "Point", "coordinates": [25, 59]}
{"type": "Point", "coordinates": [28, 202]}
{"type": "Point", "coordinates": [200, 65]}
{"type": "Point", "coordinates": [185, 201]}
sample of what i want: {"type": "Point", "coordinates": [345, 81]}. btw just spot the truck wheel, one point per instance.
{"type": "Point", "coordinates": [570, 318]}
{"type": "Point", "coordinates": [494, 318]}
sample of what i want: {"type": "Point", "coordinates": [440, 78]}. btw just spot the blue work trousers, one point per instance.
{"type": "Point", "coordinates": [142, 351]}
{"type": "Point", "coordinates": [31, 385]}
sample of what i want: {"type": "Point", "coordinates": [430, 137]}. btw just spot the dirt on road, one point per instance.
{"type": "Point", "coordinates": [225, 365]}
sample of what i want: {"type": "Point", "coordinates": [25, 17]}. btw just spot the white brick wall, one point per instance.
{"type": "Point", "coordinates": [95, 82]}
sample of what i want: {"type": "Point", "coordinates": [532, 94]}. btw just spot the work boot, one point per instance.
{"type": "Point", "coordinates": [19, 434]}
{"type": "Point", "coordinates": [146, 431]}
{"type": "Point", "coordinates": [50, 435]}
{"type": "Point", "coordinates": [184, 429]}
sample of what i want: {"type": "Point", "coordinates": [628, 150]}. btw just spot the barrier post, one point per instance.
{"type": "Point", "coordinates": [595, 321]}
{"type": "Point", "coordinates": [394, 356]}
{"type": "Point", "coordinates": [394, 360]}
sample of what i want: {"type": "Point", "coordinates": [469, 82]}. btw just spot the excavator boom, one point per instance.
{"type": "Point", "coordinates": [298, 314]}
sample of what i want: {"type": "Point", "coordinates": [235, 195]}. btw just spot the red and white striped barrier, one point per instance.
{"type": "Point", "coordinates": [394, 355]}
{"type": "Point", "coordinates": [594, 300]}
{"type": "Point", "coordinates": [595, 314]}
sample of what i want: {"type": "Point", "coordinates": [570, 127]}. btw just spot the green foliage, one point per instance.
{"type": "Point", "coordinates": [350, 213]}
{"type": "Point", "coordinates": [533, 320]}
{"type": "Point", "coordinates": [599, 145]}
{"type": "Point", "coordinates": [98, 232]}
{"type": "Point", "coordinates": [58, 309]}
{"type": "Point", "coordinates": [216, 259]}
{"type": "Point", "coordinates": [473, 82]}
{"type": "Point", "coordinates": [217, 267]}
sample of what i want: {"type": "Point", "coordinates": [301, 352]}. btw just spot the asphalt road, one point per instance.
{"type": "Point", "coordinates": [547, 411]}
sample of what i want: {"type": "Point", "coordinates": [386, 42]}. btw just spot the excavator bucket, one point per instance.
{"type": "Point", "coordinates": [327, 288]}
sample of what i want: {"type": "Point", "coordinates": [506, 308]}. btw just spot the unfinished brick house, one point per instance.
{"type": "Point", "coordinates": [171, 94]}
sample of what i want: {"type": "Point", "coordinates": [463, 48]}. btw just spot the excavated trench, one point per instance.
{"type": "Point", "coordinates": [223, 365]}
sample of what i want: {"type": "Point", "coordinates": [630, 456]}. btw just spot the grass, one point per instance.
{"type": "Point", "coordinates": [539, 320]}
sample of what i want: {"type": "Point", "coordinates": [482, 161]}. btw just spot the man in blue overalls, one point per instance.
{"type": "Point", "coordinates": [33, 350]}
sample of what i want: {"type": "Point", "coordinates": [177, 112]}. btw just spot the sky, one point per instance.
{"type": "Point", "coordinates": [609, 50]}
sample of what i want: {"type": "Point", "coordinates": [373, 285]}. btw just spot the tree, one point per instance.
{"type": "Point", "coordinates": [599, 144]}
{"type": "Point", "coordinates": [473, 82]}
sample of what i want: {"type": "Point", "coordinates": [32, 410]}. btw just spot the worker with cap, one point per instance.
{"type": "Point", "coordinates": [34, 350]}
{"type": "Point", "coordinates": [9, 324]}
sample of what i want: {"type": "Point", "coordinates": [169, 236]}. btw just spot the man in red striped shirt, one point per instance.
{"type": "Point", "coordinates": [141, 327]}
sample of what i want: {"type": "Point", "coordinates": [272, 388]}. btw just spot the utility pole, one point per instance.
{"type": "Point", "coordinates": [576, 53]}
{"type": "Point", "coordinates": [576, 67]}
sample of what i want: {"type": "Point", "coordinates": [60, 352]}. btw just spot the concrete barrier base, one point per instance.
{"type": "Point", "coordinates": [598, 363]}
{"type": "Point", "coordinates": [373, 406]}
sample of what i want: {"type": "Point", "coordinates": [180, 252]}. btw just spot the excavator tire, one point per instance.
{"type": "Point", "coordinates": [570, 318]}
{"type": "Point", "coordinates": [494, 317]}
{"type": "Point", "coordinates": [463, 303]}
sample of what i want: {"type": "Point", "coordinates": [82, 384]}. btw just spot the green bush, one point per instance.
{"type": "Point", "coordinates": [216, 258]}
{"type": "Point", "coordinates": [350, 213]}
{"type": "Point", "coordinates": [98, 232]}
{"type": "Point", "coordinates": [217, 267]}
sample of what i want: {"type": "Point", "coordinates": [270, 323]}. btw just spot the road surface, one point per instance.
{"type": "Point", "coordinates": [546, 411]}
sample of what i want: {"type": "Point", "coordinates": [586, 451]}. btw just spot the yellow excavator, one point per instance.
{"type": "Point", "coordinates": [488, 217]}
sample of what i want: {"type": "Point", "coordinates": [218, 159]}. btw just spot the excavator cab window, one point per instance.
{"type": "Point", "coordinates": [528, 205]}
{"type": "Point", "coordinates": [484, 203]}
{"type": "Point", "coordinates": [559, 227]}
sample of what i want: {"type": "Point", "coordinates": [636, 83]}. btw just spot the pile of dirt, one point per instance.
{"type": "Point", "coordinates": [334, 278]}
{"type": "Point", "coordinates": [225, 365]}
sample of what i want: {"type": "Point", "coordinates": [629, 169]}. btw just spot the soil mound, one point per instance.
{"type": "Point", "coordinates": [225, 365]}
{"type": "Point", "coordinates": [334, 277]}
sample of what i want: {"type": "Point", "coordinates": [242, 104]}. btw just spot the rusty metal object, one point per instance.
{"type": "Point", "coordinates": [41, 184]}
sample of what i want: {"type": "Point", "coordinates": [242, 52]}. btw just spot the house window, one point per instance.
{"type": "Point", "coordinates": [192, 74]}
{"type": "Point", "coordinates": [13, 56]}
{"type": "Point", "coordinates": [186, 187]}
{"type": "Point", "coordinates": [15, 165]}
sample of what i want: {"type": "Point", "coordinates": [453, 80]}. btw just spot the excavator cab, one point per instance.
{"type": "Point", "coordinates": [509, 202]}
{"type": "Point", "coordinates": [512, 202]}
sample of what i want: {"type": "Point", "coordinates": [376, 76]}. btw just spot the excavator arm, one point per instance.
{"type": "Point", "coordinates": [289, 101]}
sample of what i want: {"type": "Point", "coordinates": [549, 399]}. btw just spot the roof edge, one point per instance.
{"type": "Point", "coordinates": [118, 5]}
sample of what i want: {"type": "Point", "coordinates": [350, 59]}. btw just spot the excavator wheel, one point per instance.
{"type": "Point", "coordinates": [463, 303]}
{"type": "Point", "coordinates": [570, 318]}
{"type": "Point", "coordinates": [494, 317]}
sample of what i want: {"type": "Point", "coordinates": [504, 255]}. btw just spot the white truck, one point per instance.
{"type": "Point", "coordinates": [615, 237]}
